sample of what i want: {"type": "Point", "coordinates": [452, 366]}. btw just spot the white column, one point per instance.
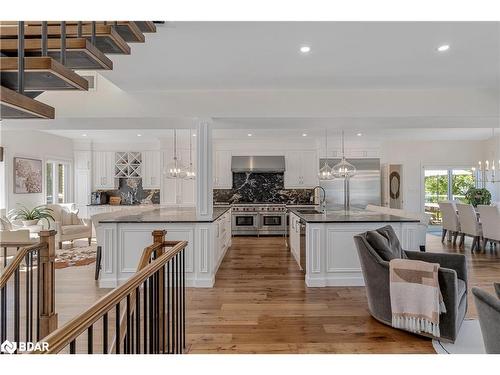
{"type": "Point", "coordinates": [204, 192]}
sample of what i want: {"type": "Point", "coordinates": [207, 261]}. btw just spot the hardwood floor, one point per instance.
{"type": "Point", "coordinates": [260, 305]}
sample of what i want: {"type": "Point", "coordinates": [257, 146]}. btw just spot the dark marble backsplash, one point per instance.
{"type": "Point", "coordinates": [261, 188]}
{"type": "Point", "coordinates": [131, 192]}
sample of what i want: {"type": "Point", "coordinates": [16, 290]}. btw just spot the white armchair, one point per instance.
{"type": "Point", "coordinates": [68, 225]}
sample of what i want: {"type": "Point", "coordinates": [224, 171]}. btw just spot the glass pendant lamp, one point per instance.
{"type": "Point", "coordinates": [325, 172]}
{"type": "Point", "coordinates": [176, 168]}
{"type": "Point", "coordinates": [190, 174]}
{"type": "Point", "coordinates": [343, 169]}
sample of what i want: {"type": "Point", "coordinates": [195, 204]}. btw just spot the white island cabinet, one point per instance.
{"type": "Point", "coordinates": [331, 255]}
{"type": "Point", "coordinates": [123, 237]}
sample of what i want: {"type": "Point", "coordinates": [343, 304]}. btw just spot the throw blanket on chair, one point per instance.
{"type": "Point", "coordinates": [416, 300]}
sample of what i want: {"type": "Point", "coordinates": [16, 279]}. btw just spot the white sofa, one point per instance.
{"type": "Point", "coordinates": [423, 219]}
{"type": "Point", "coordinates": [68, 225]}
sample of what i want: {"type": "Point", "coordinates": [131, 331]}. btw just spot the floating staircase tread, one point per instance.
{"type": "Point", "coordinates": [146, 26]}
{"type": "Point", "coordinates": [17, 106]}
{"type": "Point", "coordinates": [41, 74]}
{"type": "Point", "coordinates": [107, 38]}
{"type": "Point", "coordinates": [80, 53]}
{"type": "Point", "coordinates": [129, 31]}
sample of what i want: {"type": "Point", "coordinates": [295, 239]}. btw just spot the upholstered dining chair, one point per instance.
{"type": "Point", "coordinates": [451, 222]}
{"type": "Point", "coordinates": [490, 220]}
{"type": "Point", "coordinates": [469, 225]}
{"type": "Point", "coordinates": [488, 310]}
{"type": "Point", "coordinates": [452, 280]}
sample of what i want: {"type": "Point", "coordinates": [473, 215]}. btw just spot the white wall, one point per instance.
{"type": "Point", "coordinates": [36, 145]}
{"type": "Point", "coordinates": [416, 155]}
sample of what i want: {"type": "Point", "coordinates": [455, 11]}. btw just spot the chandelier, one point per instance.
{"type": "Point", "coordinates": [343, 169]}
{"type": "Point", "coordinates": [176, 168]}
{"type": "Point", "coordinates": [325, 172]}
{"type": "Point", "coordinates": [486, 171]}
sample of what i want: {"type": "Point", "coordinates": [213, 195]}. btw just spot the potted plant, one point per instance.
{"type": "Point", "coordinates": [31, 217]}
{"type": "Point", "coordinates": [477, 196]}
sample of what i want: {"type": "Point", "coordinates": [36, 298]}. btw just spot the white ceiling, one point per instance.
{"type": "Point", "coordinates": [151, 135]}
{"type": "Point", "coordinates": [265, 55]}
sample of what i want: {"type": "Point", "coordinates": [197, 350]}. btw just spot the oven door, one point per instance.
{"type": "Point", "coordinates": [245, 222]}
{"type": "Point", "coordinates": [272, 223]}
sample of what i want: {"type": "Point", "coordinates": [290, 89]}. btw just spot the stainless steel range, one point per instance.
{"type": "Point", "coordinates": [257, 219]}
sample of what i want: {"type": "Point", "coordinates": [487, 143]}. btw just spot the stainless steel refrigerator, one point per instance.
{"type": "Point", "coordinates": [364, 186]}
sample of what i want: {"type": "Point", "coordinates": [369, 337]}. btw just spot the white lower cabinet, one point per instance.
{"type": "Point", "coordinates": [223, 236]}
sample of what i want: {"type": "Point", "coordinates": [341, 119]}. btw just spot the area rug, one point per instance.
{"type": "Point", "coordinates": [76, 255]}
{"type": "Point", "coordinates": [469, 341]}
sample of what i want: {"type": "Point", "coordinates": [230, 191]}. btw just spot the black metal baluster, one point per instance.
{"type": "Point", "coordinates": [151, 318]}
{"type": "Point", "coordinates": [27, 298]}
{"type": "Point", "coordinates": [38, 278]}
{"type": "Point", "coordinates": [63, 43]}
{"type": "Point", "coordinates": [3, 321]}
{"type": "Point", "coordinates": [127, 342]}
{"type": "Point", "coordinates": [31, 296]}
{"type": "Point", "coordinates": [145, 317]}
{"type": "Point", "coordinates": [44, 38]}
{"type": "Point", "coordinates": [168, 307]}
{"type": "Point", "coordinates": [20, 58]}
{"type": "Point", "coordinates": [117, 328]}
{"type": "Point", "coordinates": [157, 311]}
{"type": "Point", "coordinates": [105, 333]}
{"type": "Point", "coordinates": [16, 306]}
{"type": "Point", "coordinates": [90, 339]}
{"type": "Point", "coordinates": [4, 257]}
{"type": "Point", "coordinates": [175, 307]}
{"type": "Point", "coordinates": [138, 320]}
{"type": "Point", "coordinates": [79, 29]}
{"type": "Point", "coordinates": [72, 347]}
{"type": "Point", "coordinates": [93, 34]}
{"type": "Point", "coordinates": [183, 300]}
{"type": "Point", "coordinates": [163, 320]}
{"type": "Point", "coordinates": [178, 304]}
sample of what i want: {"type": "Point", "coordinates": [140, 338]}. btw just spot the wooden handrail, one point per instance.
{"type": "Point", "coordinates": [16, 262]}
{"type": "Point", "coordinates": [63, 336]}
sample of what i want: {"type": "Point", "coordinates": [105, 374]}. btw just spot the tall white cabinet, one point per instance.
{"type": "Point", "coordinates": [301, 169]}
{"type": "Point", "coordinates": [83, 187]}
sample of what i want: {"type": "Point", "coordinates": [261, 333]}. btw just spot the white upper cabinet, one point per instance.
{"type": "Point", "coordinates": [223, 177]}
{"type": "Point", "coordinates": [301, 169]}
{"type": "Point", "coordinates": [103, 165]}
{"type": "Point", "coordinates": [151, 169]}
{"type": "Point", "coordinates": [83, 160]}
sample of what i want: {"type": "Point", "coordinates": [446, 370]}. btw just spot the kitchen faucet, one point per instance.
{"type": "Point", "coordinates": [322, 202]}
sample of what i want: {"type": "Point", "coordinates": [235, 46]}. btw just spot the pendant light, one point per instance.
{"type": "Point", "coordinates": [190, 174]}
{"type": "Point", "coordinates": [325, 172]}
{"type": "Point", "coordinates": [343, 169]}
{"type": "Point", "coordinates": [176, 169]}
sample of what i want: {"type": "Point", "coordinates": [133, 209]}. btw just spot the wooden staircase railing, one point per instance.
{"type": "Point", "coordinates": [154, 304]}
{"type": "Point", "coordinates": [27, 292]}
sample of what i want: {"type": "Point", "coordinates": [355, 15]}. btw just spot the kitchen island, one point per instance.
{"type": "Point", "coordinates": [123, 236]}
{"type": "Point", "coordinates": [325, 241]}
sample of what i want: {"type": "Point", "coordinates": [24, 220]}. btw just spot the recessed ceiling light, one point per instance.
{"type": "Point", "coordinates": [443, 48]}
{"type": "Point", "coordinates": [84, 135]}
{"type": "Point", "coordinates": [139, 135]}
{"type": "Point", "coordinates": [305, 49]}
{"type": "Point", "coordinates": [249, 134]}
{"type": "Point", "coordinates": [359, 134]}
{"type": "Point", "coordinates": [304, 134]}
{"type": "Point", "coordinates": [194, 134]}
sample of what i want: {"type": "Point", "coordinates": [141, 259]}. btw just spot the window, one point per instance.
{"type": "Point", "coordinates": [445, 184]}
{"type": "Point", "coordinates": [57, 186]}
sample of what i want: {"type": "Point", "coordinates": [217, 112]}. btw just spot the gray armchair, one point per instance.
{"type": "Point", "coordinates": [452, 281]}
{"type": "Point", "coordinates": [488, 309]}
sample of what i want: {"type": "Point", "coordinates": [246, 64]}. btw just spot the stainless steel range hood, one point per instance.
{"type": "Point", "coordinates": [258, 164]}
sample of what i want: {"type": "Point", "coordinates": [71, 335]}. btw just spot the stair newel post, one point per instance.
{"type": "Point", "coordinates": [44, 38]}
{"type": "Point", "coordinates": [63, 42]}
{"type": "Point", "coordinates": [20, 58]}
{"type": "Point", "coordinates": [159, 237]}
{"type": "Point", "coordinates": [93, 34]}
{"type": "Point", "coordinates": [46, 278]}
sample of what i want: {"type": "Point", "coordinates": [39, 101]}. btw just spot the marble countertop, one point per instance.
{"type": "Point", "coordinates": [352, 216]}
{"type": "Point", "coordinates": [165, 215]}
